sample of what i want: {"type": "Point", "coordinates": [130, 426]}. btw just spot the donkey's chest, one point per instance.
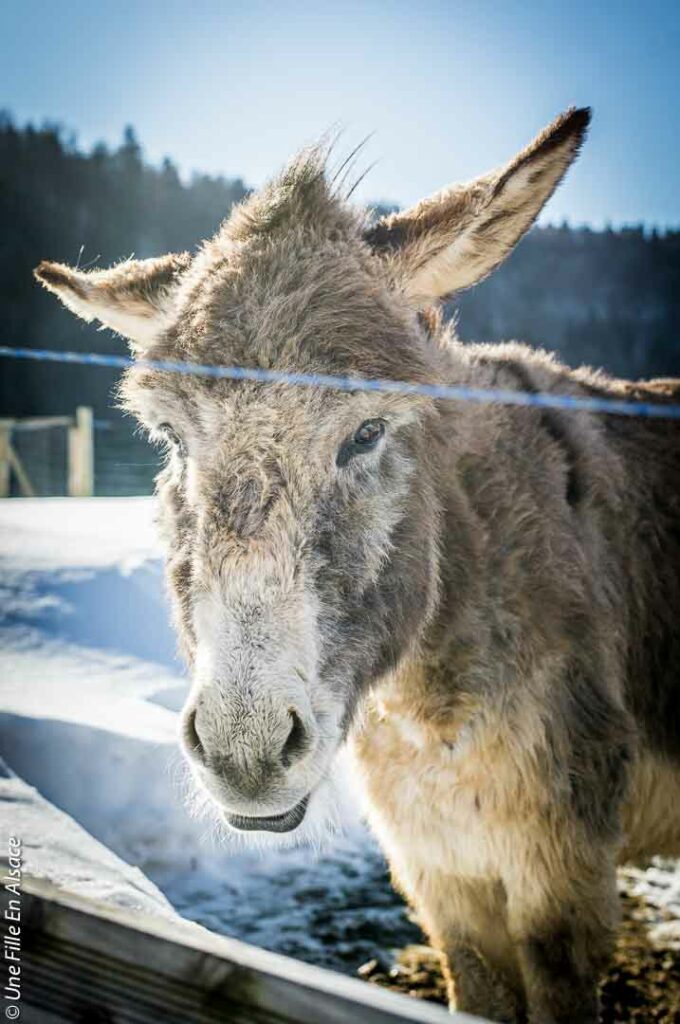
{"type": "Point", "coordinates": [432, 803]}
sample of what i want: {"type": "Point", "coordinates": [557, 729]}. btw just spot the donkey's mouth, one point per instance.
{"type": "Point", "coordinates": [285, 822]}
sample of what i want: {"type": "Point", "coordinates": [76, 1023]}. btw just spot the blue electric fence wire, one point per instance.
{"type": "Point", "coordinates": [620, 407]}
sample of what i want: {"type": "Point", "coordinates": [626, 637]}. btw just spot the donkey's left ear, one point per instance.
{"type": "Point", "coordinates": [455, 238]}
{"type": "Point", "coordinates": [131, 298]}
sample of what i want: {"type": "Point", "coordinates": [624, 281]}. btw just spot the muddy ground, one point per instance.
{"type": "Point", "coordinates": [643, 982]}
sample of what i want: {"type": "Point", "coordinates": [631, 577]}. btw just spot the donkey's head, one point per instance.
{"type": "Point", "coordinates": [301, 525]}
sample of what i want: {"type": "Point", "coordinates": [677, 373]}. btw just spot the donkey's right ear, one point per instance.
{"type": "Point", "coordinates": [455, 238]}
{"type": "Point", "coordinates": [132, 298]}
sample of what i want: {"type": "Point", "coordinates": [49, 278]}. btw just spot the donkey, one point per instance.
{"type": "Point", "coordinates": [481, 602]}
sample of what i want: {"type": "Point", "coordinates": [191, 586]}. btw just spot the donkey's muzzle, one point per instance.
{"type": "Point", "coordinates": [251, 759]}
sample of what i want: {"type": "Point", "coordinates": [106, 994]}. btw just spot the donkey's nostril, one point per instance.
{"type": "Point", "coordinates": [297, 742]}
{"type": "Point", "coordinates": [192, 740]}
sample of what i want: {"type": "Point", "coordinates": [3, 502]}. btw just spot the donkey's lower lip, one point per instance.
{"type": "Point", "coordinates": [285, 822]}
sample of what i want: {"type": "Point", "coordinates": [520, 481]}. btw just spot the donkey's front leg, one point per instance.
{"type": "Point", "coordinates": [465, 919]}
{"type": "Point", "coordinates": [478, 987]}
{"type": "Point", "coordinates": [563, 930]}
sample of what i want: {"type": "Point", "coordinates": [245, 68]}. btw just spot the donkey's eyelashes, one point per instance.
{"type": "Point", "coordinates": [364, 440]}
{"type": "Point", "coordinates": [170, 435]}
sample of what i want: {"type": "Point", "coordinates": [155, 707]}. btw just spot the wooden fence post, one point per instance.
{"type": "Point", "coordinates": [5, 427]}
{"type": "Point", "coordinates": [9, 460]}
{"type": "Point", "coordinates": [81, 454]}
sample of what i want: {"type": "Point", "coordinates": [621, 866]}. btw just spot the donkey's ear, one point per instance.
{"type": "Point", "coordinates": [131, 298]}
{"type": "Point", "coordinates": [455, 238]}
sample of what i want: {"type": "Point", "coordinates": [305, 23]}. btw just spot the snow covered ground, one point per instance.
{"type": "Point", "coordinates": [89, 693]}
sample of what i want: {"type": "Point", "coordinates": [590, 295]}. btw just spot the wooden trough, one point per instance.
{"type": "Point", "coordinates": [89, 963]}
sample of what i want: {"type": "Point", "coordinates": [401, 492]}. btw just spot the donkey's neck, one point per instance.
{"type": "Point", "coordinates": [439, 681]}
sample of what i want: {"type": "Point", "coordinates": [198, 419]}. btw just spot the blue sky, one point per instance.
{"type": "Point", "coordinates": [451, 89]}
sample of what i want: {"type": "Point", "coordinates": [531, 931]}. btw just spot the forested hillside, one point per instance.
{"type": "Point", "coordinates": [93, 209]}
{"type": "Point", "coordinates": [609, 298]}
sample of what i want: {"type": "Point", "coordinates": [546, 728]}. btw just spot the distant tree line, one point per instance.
{"type": "Point", "coordinates": [95, 208]}
{"type": "Point", "coordinates": [608, 298]}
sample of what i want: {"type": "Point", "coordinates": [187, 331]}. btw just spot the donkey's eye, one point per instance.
{"type": "Point", "coordinates": [369, 433]}
{"type": "Point", "coordinates": [172, 437]}
{"type": "Point", "coordinates": [365, 439]}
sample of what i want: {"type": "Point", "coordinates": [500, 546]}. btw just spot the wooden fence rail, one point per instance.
{"type": "Point", "coordinates": [80, 448]}
{"type": "Point", "coordinates": [88, 963]}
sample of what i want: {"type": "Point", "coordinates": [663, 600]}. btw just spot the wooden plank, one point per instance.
{"type": "Point", "coordinates": [85, 961]}
{"type": "Point", "coordinates": [9, 460]}
{"type": "Point", "coordinates": [80, 448]}
{"type": "Point", "coordinates": [81, 454]}
{"type": "Point", "coordinates": [5, 427]}
{"type": "Point", "coordinates": [25, 485]}
{"type": "Point", "coordinates": [42, 422]}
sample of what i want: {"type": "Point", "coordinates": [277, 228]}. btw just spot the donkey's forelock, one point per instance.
{"type": "Point", "coordinates": [310, 192]}
{"type": "Point", "coordinates": [289, 282]}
